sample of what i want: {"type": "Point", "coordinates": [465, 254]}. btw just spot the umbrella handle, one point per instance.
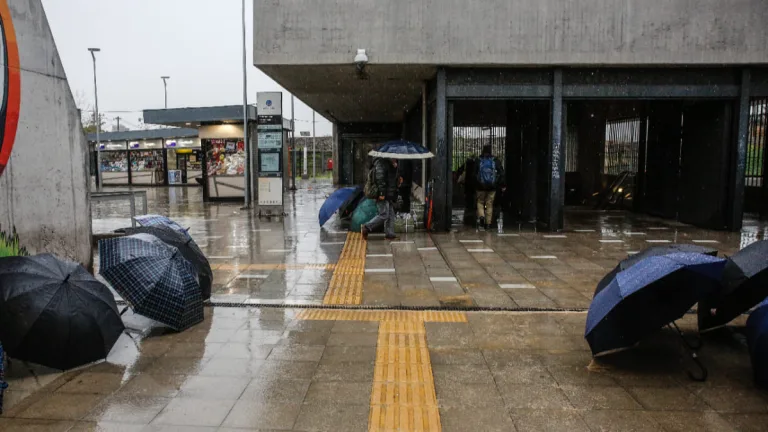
{"type": "Point", "coordinates": [693, 345]}
{"type": "Point", "coordinates": [125, 309]}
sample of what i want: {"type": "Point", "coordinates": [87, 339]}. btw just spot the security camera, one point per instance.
{"type": "Point", "coordinates": [361, 60]}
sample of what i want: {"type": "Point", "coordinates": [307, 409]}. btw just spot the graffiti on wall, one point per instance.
{"type": "Point", "coordinates": [11, 85]}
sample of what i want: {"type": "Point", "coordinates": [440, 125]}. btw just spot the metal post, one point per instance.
{"type": "Point", "coordinates": [245, 122]}
{"type": "Point", "coordinates": [314, 161]}
{"type": "Point", "coordinates": [424, 142]}
{"type": "Point", "coordinates": [556, 159]}
{"type": "Point", "coordinates": [441, 163]}
{"type": "Point", "coordinates": [304, 168]}
{"type": "Point", "coordinates": [97, 119]}
{"type": "Point", "coordinates": [165, 88]}
{"type": "Point", "coordinates": [293, 144]}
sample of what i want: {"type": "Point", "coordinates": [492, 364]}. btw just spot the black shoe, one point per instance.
{"type": "Point", "coordinates": [365, 231]}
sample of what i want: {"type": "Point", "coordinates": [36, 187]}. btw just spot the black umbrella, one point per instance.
{"type": "Point", "coordinates": [744, 285]}
{"type": "Point", "coordinates": [188, 249]}
{"type": "Point", "coordinates": [650, 252]}
{"type": "Point", "coordinates": [54, 312]}
{"type": "Point", "coordinates": [349, 206]}
{"type": "Point", "coordinates": [154, 278]}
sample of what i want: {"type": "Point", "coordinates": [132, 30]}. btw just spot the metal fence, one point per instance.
{"type": "Point", "coordinates": [622, 145]}
{"type": "Point", "coordinates": [468, 141]}
{"type": "Point", "coordinates": [571, 148]}
{"type": "Point", "coordinates": [758, 127]}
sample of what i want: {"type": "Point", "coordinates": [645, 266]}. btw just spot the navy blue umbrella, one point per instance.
{"type": "Point", "coordinates": [757, 340]}
{"type": "Point", "coordinates": [335, 202]}
{"type": "Point", "coordinates": [154, 220]}
{"type": "Point", "coordinates": [154, 278]}
{"type": "Point", "coordinates": [647, 296]}
{"type": "Point", "coordinates": [744, 285]}
{"type": "Point", "coordinates": [401, 149]}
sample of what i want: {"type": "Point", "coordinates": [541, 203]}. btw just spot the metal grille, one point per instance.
{"type": "Point", "coordinates": [622, 143]}
{"type": "Point", "coordinates": [469, 142]}
{"type": "Point", "coordinates": [758, 130]}
{"type": "Point", "coordinates": [571, 149]}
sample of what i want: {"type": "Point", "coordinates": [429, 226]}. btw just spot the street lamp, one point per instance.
{"type": "Point", "coordinates": [97, 118]}
{"type": "Point", "coordinates": [247, 198]}
{"type": "Point", "coordinates": [165, 88]}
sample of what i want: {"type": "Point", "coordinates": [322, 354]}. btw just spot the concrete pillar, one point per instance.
{"type": "Point", "coordinates": [441, 168]}
{"type": "Point", "coordinates": [554, 217]}
{"type": "Point", "coordinates": [335, 153]}
{"type": "Point", "coordinates": [736, 211]}
{"type": "Point", "coordinates": [530, 162]}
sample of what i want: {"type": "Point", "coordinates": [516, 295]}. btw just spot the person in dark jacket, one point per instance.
{"type": "Point", "coordinates": [490, 176]}
{"type": "Point", "coordinates": [385, 175]}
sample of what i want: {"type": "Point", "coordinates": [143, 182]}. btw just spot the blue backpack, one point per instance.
{"type": "Point", "coordinates": [486, 172]}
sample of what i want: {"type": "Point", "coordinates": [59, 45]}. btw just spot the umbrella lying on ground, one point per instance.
{"type": "Point", "coordinates": [401, 149]}
{"type": "Point", "coordinates": [744, 285]}
{"type": "Point", "coordinates": [654, 251]}
{"type": "Point", "coordinates": [188, 249]}
{"type": "Point", "coordinates": [54, 312]}
{"type": "Point", "coordinates": [362, 214]}
{"type": "Point", "coordinates": [757, 340]}
{"type": "Point", "coordinates": [335, 201]}
{"type": "Point", "coordinates": [154, 278]}
{"type": "Point", "coordinates": [647, 296]}
{"type": "Point", "coordinates": [154, 220]}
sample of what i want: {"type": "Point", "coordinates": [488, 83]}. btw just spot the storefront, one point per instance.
{"type": "Point", "coordinates": [185, 161]}
{"type": "Point", "coordinates": [114, 163]}
{"type": "Point", "coordinates": [147, 163]}
{"type": "Point", "coordinates": [149, 157]}
{"type": "Point", "coordinates": [224, 161]}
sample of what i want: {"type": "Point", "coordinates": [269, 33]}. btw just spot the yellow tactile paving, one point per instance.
{"type": "Point", "coordinates": [403, 396]}
{"type": "Point", "coordinates": [374, 315]}
{"type": "Point", "coordinates": [279, 267]}
{"type": "Point", "coordinates": [346, 287]}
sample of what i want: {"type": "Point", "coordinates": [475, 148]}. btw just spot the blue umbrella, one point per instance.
{"type": "Point", "coordinates": [647, 296]}
{"type": "Point", "coordinates": [757, 340]}
{"type": "Point", "coordinates": [154, 278]}
{"type": "Point", "coordinates": [334, 202]}
{"type": "Point", "coordinates": [401, 149]}
{"type": "Point", "coordinates": [154, 220]}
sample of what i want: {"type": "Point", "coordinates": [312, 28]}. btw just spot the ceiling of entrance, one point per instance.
{"type": "Point", "coordinates": [336, 91]}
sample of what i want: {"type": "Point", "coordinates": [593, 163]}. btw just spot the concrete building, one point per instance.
{"type": "Point", "coordinates": [653, 95]}
{"type": "Point", "coordinates": [43, 152]}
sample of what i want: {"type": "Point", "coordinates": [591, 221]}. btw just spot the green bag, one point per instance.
{"type": "Point", "coordinates": [371, 191]}
{"type": "Point", "coordinates": [362, 214]}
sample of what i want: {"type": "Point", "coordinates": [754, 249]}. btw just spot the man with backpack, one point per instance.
{"type": "Point", "coordinates": [382, 186]}
{"type": "Point", "coordinates": [490, 175]}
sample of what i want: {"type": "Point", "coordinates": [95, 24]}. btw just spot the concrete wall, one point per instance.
{"type": "Point", "coordinates": [44, 189]}
{"type": "Point", "coordinates": [503, 32]}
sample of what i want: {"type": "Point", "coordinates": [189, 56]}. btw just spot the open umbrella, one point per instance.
{"type": "Point", "coordinates": [154, 220]}
{"type": "Point", "coordinates": [188, 249]}
{"type": "Point", "coordinates": [154, 278]}
{"type": "Point", "coordinates": [647, 296]}
{"type": "Point", "coordinates": [757, 340]}
{"type": "Point", "coordinates": [654, 251]}
{"type": "Point", "coordinates": [401, 149]}
{"type": "Point", "coordinates": [744, 285]}
{"type": "Point", "coordinates": [55, 313]}
{"type": "Point", "coordinates": [349, 206]}
{"type": "Point", "coordinates": [334, 202]}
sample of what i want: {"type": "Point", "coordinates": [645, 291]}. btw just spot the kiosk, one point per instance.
{"type": "Point", "coordinates": [271, 146]}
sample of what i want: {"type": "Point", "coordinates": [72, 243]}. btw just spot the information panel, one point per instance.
{"type": "Point", "coordinates": [270, 191]}
{"type": "Point", "coordinates": [270, 138]}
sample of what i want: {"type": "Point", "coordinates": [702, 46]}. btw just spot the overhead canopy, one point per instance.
{"type": "Point", "coordinates": [194, 117]}
{"type": "Point", "coordinates": [150, 134]}
{"type": "Point", "coordinates": [338, 93]}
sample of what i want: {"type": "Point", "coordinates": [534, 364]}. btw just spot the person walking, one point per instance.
{"type": "Point", "coordinates": [490, 176]}
{"type": "Point", "coordinates": [385, 180]}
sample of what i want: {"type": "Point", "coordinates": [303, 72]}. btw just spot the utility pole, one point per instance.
{"type": "Point", "coordinates": [118, 123]}
{"type": "Point", "coordinates": [98, 119]}
{"type": "Point", "coordinates": [247, 168]}
{"type": "Point", "coordinates": [293, 145]}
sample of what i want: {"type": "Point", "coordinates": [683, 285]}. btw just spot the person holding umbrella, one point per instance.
{"type": "Point", "coordinates": [385, 178]}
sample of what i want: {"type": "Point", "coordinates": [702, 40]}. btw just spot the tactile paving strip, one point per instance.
{"type": "Point", "coordinates": [346, 287]}
{"type": "Point", "coordinates": [403, 396]}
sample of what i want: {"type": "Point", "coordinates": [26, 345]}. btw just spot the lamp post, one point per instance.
{"type": "Point", "coordinates": [97, 118]}
{"type": "Point", "coordinates": [165, 88]}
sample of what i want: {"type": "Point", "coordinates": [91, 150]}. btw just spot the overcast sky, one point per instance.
{"type": "Point", "coordinates": [196, 42]}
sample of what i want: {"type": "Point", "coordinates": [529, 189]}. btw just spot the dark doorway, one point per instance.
{"type": "Point", "coordinates": [662, 169]}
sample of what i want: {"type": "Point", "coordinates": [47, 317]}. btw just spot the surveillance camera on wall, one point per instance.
{"type": "Point", "coordinates": [361, 60]}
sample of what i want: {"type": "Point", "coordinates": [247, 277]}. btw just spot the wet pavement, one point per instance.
{"type": "Point", "coordinates": [265, 359]}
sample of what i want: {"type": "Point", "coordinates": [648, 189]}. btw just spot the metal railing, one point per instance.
{"type": "Point", "coordinates": [622, 145]}
{"type": "Point", "coordinates": [468, 141]}
{"type": "Point", "coordinates": [758, 132]}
